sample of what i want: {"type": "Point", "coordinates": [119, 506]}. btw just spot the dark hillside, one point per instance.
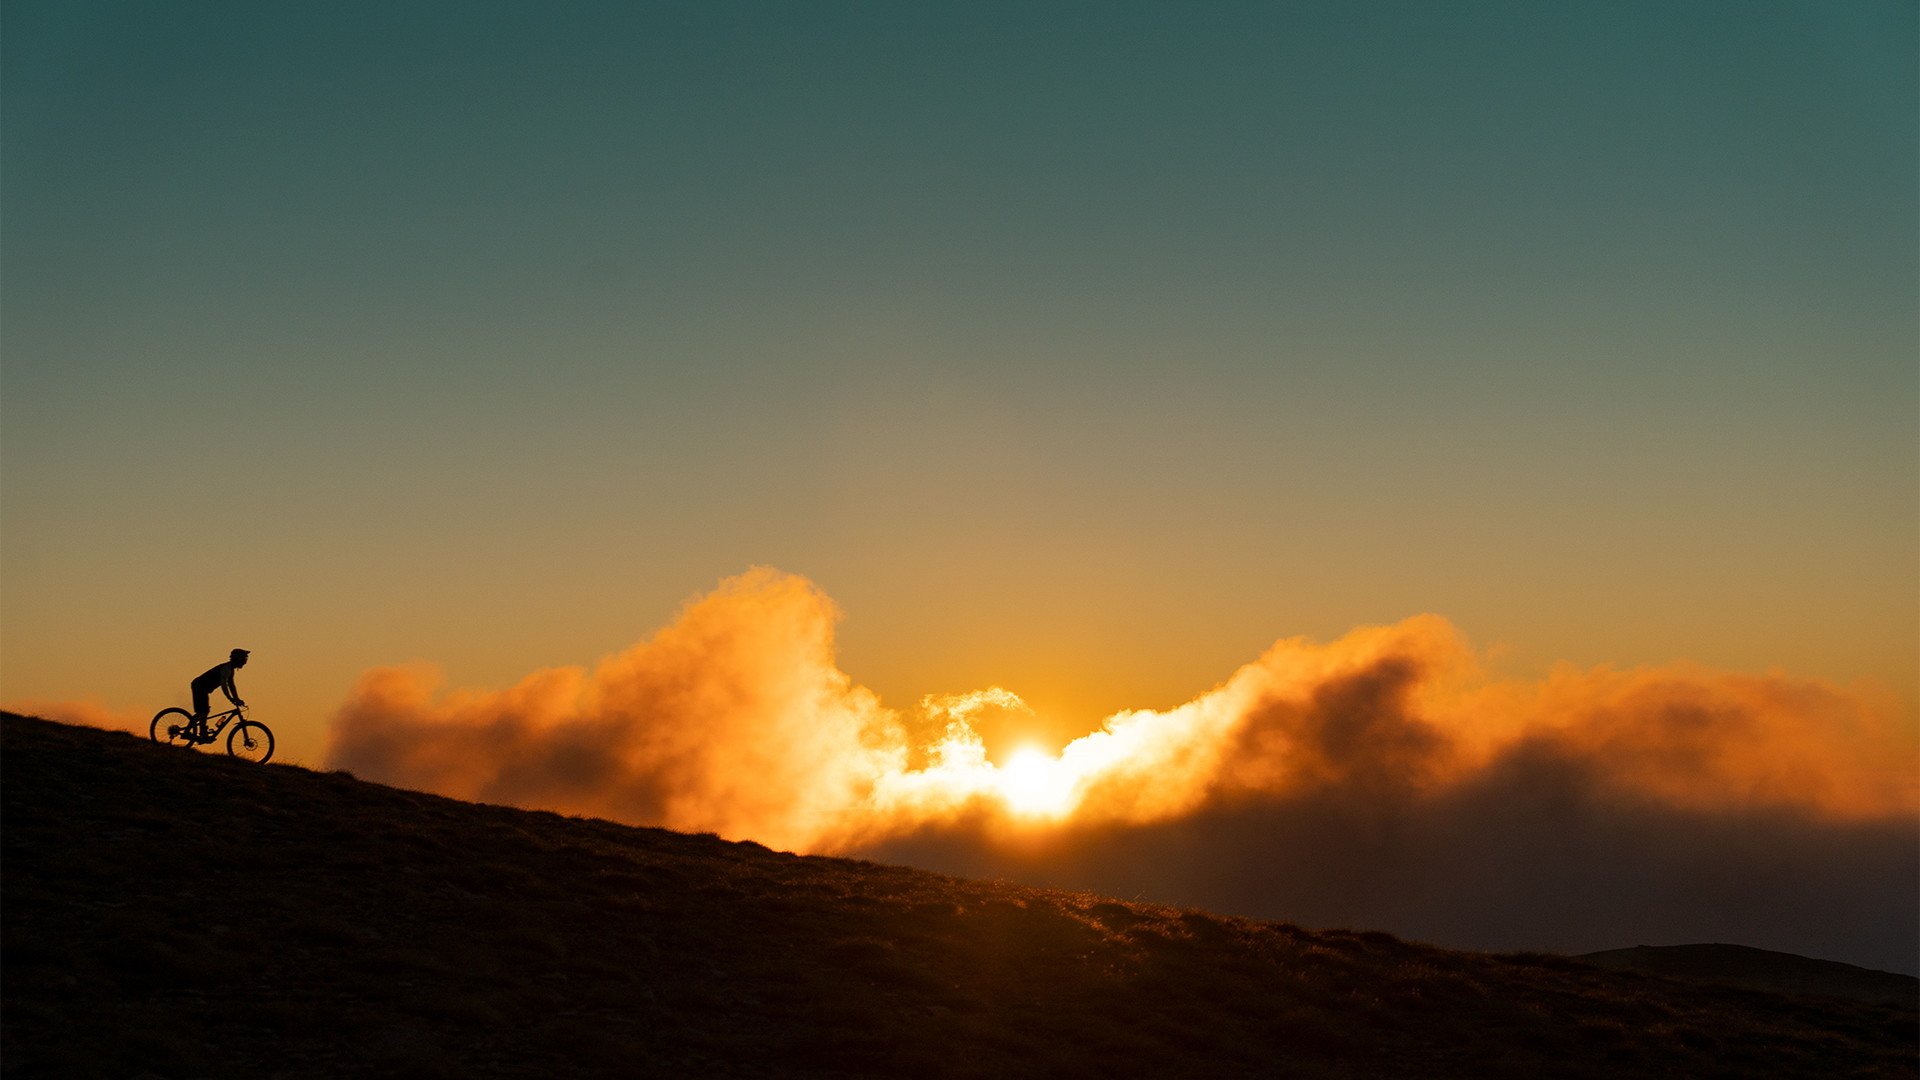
{"type": "Point", "coordinates": [1762, 967]}
{"type": "Point", "coordinates": [169, 914]}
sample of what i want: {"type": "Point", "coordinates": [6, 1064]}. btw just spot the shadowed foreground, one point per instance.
{"type": "Point", "coordinates": [176, 914]}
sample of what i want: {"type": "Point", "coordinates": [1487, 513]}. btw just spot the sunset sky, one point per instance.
{"type": "Point", "coordinates": [1080, 349]}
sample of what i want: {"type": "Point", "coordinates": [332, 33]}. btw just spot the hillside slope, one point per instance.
{"type": "Point", "coordinates": [1761, 967]}
{"type": "Point", "coordinates": [175, 914]}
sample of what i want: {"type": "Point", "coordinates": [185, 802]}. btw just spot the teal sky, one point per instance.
{"type": "Point", "coordinates": [1083, 349]}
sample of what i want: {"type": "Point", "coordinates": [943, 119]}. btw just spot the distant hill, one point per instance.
{"type": "Point", "coordinates": [1760, 967]}
{"type": "Point", "coordinates": [170, 914]}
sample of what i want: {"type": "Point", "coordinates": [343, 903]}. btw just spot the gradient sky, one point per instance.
{"type": "Point", "coordinates": [1083, 349]}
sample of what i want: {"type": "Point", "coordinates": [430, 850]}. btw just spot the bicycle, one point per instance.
{"type": "Point", "coordinates": [250, 740]}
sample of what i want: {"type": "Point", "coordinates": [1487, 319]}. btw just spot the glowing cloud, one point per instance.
{"type": "Point", "coordinates": [736, 719]}
{"type": "Point", "coordinates": [86, 712]}
{"type": "Point", "coordinates": [732, 720]}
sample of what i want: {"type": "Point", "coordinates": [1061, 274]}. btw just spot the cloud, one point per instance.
{"type": "Point", "coordinates": [1383, 779]}
{"type": "Point", "coordinates": [1538, 849]}
{"type": "Point", "coordinates": [734, 720]}
{"type": "Point", "coordinates": [87, 712]}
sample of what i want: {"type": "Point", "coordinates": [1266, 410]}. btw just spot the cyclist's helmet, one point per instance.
{"type": "Point", "coordinates": [237, 654]}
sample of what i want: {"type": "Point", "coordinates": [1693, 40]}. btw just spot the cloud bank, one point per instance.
{"type": "Point", "coordinates": [1383, 779]}
{"type": "Point", "coordinates": [733, 720]}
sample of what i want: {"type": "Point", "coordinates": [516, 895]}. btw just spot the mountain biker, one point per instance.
{"type": "Point", "coordinates": [218, 676]}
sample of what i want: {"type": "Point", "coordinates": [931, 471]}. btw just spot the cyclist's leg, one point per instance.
{"type": "Point", "coordinates": [201, 702]}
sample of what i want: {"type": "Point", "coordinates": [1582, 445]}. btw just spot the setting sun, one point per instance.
{"type": "Point", "coordinates": [1034, 784]}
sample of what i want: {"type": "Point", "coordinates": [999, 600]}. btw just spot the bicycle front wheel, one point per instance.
{"type": "Point", "coordinates": [170, 727]}
{"type": "Point", "coordinates": [252, 741]}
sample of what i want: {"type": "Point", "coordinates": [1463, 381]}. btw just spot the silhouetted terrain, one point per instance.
{"type": "Point", "coordinates": [1761, 967]}
{"type": "Point", "coordinates": [173, 914]}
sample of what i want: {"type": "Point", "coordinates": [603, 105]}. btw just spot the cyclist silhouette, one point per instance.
{"type": "Point", "coordinates": [219, 676]}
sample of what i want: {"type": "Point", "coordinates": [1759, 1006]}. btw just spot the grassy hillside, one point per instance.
{"type": "Point", "coordinates": [176, 914]}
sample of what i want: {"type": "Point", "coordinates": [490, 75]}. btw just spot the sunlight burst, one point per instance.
{"type": "Point", "coordinates": [1034, 783]}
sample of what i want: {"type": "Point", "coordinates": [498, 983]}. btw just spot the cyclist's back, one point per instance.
{"type": "Point", "coordinates": [218, 677]}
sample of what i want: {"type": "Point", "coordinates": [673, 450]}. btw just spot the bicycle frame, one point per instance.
{"type": "Point", "coordinates": [209, 730]}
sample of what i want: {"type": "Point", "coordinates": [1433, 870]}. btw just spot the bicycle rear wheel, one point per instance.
{"type": "Point", "coordinates": [251, 740]}
{"type": "Point", "coordinates": [170, 726]}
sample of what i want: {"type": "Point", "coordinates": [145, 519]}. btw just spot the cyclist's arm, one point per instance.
{"type": "Point", "coordinates": [232, 694]}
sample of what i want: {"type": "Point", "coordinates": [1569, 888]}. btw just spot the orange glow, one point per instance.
{"type": "Point", "coordinates": [736, 719]}
{"type": "Point", "coordinates": [1035, 785]}
{"type": "Point", "coordinates": [87, 712]}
